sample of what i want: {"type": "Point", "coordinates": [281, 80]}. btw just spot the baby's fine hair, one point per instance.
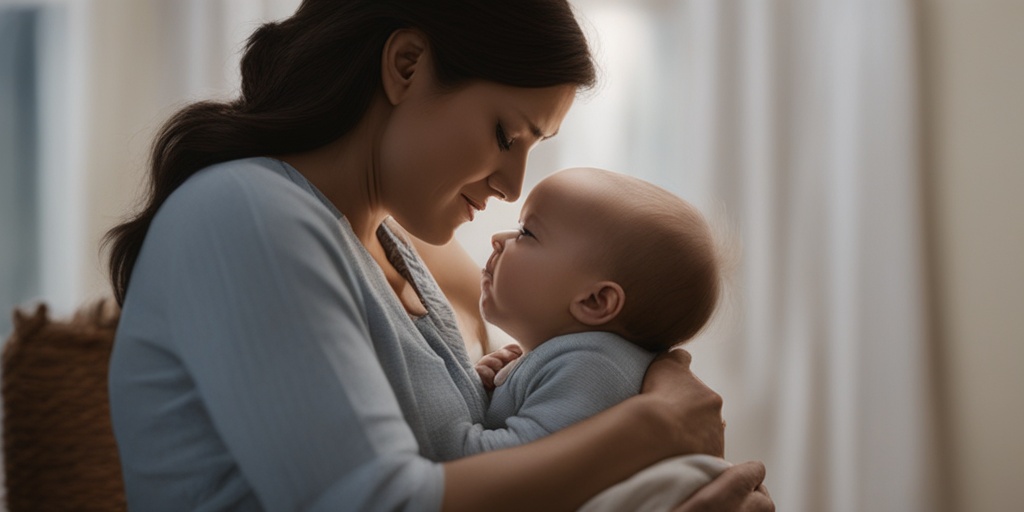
{"type": "Point", "coordinates": [663, 253]}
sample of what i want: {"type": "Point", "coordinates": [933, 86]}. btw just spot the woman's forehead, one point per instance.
{"type": "Point", "coordinates": [548, 104]}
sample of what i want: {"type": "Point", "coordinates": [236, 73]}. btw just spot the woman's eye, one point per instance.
{"type": "Point", "coordinates": [504, 143]}
{"type": "Point", "coordinates": [523, 232]}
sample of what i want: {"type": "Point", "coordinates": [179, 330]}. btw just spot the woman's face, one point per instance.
{"type": "Point", "coordinates": [444, 154]}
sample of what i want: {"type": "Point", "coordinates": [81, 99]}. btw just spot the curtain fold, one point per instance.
{"type": "Point", "coordinates": [129, 65]}
{"type": "Point", "coordinates": [19, 138]}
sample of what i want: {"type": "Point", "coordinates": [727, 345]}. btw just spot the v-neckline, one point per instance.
{"type": "Point", "coordinates": [385, 237]}
{"type": "Point", "coordinates": [396, 259]}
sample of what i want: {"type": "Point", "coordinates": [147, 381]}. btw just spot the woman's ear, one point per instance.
{"type": "Point", "coordinates": [402, 61]}
{"type": "Point", "coordinates": [599, 304]}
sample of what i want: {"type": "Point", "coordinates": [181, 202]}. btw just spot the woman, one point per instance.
{"type": "Point", "coordinates": [281, 347]}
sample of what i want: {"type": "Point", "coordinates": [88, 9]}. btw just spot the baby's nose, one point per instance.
{"type": "Point", "coordinates": [499, 238]}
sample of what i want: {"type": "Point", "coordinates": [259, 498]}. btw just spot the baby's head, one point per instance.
{"type": "Point", "coordinates": [600, 251]}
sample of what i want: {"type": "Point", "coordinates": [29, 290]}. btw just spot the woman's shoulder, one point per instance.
{"type": "Point", "coordinates": [243, 218]}
{"type": "Point", "coordinates": [250, 192]}
{"type": "Point", "coordinates": [244, 181]}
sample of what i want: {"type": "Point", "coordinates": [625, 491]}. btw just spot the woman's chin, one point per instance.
{"type": "Point", "coordinates": [431, 236]}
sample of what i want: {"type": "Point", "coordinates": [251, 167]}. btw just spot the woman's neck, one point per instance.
{"type": "Point", "coordinates": [345, 171]}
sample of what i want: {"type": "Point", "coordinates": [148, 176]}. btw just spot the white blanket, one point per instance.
{"type": "Point", "coordinates": [660, 487]}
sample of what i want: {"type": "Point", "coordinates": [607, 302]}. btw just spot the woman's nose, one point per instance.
{"type": "Point", "coordinates": [508, 182]}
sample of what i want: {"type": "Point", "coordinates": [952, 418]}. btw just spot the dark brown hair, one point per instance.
{"type": "Point", "coordinates": [308, 80]}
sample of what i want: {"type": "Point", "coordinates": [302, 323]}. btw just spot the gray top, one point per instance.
{"type": "Point", "coordinates": [564, 380]}
{"type": "Point", "coordinates": [263, 362]}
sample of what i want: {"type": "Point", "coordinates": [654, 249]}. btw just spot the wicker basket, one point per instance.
{"type": "Point", "coordinates": [59, 450]}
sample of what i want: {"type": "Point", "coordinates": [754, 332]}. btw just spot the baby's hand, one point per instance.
{"type": "Point", "coordinates": [489, 365]}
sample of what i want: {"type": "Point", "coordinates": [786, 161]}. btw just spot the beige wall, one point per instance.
{"type": "Point", "coordinates": [973, 81]}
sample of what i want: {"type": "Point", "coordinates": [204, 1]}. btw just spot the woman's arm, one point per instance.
{"type": "Point", "coordinates": [245, 368]}
{"type": "Point", "coordinates": [564, 470]}
{"type": "Point", "coordinates": [677, 414]}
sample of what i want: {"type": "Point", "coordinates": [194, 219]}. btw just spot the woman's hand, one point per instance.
{"type": "Point", "coordinates": [676, 414]}
{"type": "Point", "coordinates": [489, 365]}
{"type": "Point", "coordinates": [739, 488]}
{"type": "Point", "coordinates": [693, 409]}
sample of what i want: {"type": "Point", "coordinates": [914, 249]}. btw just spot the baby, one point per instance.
{"type": "Point", "coordinates": [605, 271]}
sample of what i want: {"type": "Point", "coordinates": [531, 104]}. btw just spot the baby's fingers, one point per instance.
{"type": "Point", "coordinates": [489, 366]}
{"type": "Point", "coordinates": [507, 354]}
{"type": "Point", "coordinates": [490, 361]}
{"type": "Point", "coordinates": [486, 375]}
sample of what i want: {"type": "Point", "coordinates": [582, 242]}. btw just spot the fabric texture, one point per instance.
{"type": "Point", "coordinates": [262, 361]}
{"type": "Point", "coordinates": [566, 379]}
{"type": "Point", "coordinates": [660, 487]}
{"type": "Point", "coordinates": [795, 127]}
{"type": "Point", "coordinates": [570, 378]}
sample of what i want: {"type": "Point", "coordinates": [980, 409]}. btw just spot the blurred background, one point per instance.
{"type": "Point", "coordinates": [864, 157]}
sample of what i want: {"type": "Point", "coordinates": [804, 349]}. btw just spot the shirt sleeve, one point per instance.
{"type": "Point", "coordinates": [566, 389]}
{"type": "Point", "coordinates": [267, 317]}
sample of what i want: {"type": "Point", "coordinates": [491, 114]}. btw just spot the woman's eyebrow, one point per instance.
{"type": "Point", "coordinates": [534, 129]}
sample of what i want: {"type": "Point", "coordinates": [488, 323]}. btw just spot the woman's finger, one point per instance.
{"type": "Point", "coordinates": [696, 408]}
{"type": "Point", "coordinates": [758, 501]}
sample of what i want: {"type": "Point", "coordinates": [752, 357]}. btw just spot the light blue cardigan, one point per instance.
{"type": "Point", "coordinates": [262, 361]}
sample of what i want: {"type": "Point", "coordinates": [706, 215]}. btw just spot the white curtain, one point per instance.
{"type": "Point", "coordinates": [794, 124]}
{"type": "Point", "coordinates": [19, 252]}
{"type": "Point", "coordinates": [111, 72]}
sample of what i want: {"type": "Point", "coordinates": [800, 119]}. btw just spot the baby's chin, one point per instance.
{"type": "Point", "coordinates": [489, 315]}
{"type": "Point", "coordinates": [494, 318]}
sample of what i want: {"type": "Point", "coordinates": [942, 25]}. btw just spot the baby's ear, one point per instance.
{"type": "Point", "coordinates": [599, 304]}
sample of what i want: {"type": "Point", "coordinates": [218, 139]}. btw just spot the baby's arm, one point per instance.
{"type": "Point", "coordinates": [489, 365]}
{"type": "Point", "coordinates": [568, 388]}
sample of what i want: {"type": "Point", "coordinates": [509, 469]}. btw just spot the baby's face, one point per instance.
{"type": "Point", "coordinates": [535, 272]}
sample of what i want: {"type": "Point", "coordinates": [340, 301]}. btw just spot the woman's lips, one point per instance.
{"type": "Point", "coordinates": [473, 207]}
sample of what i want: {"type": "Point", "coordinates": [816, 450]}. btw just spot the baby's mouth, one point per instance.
{"type": "Point", "coordinates": [487, 277]}
{"type": "Point", "coordinates": [491, 262]}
